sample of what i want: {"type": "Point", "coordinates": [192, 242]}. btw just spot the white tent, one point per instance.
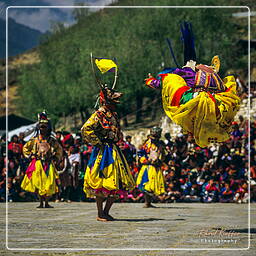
{"type": "Point", "coordinates": [28, 130]}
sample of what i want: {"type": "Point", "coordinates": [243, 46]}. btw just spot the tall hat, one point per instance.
{"type": "Point", "coordinates": [104, 65]}
{"type": "Point", "coordinates": [156, 131]}
{"type": "Point", "coordinates": [206, 76]}
{"type": "Point", "coordinates": [188, 41]}
{"type": "Point", "coordinates": [42, 117]}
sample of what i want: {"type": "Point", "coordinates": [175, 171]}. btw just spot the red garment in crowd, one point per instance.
{"type": "Point", "coordinates": [210, 187]}
{"type": "Point", "coordinates": [15, 147]}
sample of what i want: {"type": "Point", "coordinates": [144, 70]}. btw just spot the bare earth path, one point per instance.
{"type": "Point", "coordinates": [170, 226]}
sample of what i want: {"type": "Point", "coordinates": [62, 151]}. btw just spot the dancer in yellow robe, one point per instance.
{"type": "Point", "coordinates": [150, 179]}
{"type": "Point", "coordinates": [108, 174]}
{"type": "Point", "coordinates": [45, 153]}
{"type": "Point", "coordinates": [196, 98]}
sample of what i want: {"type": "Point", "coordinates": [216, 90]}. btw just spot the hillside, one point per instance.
{"type": "Point", "coordinates": [136, 38]}
{"type": "Point", "coordinates": [20, 38]}
{"type": "Point", "coordinates": [62, 82]}
{"type": "Point", "coordinates": [14, 70]}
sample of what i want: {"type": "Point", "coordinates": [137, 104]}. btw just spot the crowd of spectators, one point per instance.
{"type": "Point", "coordinates": [192, 174]}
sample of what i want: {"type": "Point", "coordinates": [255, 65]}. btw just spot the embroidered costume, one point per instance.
{"type": "Point", "coordinates": [150, 178]}
{"type": "Point", "coordinates": [45, 152]}
{"type": "Point", "coordinates": [107, 172]}
{"type": "Point", "coordinates": [196, 98]}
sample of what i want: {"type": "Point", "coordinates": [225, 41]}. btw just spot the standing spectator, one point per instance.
{"type": "Point", "coordinates": [15, 147]}
{"type": "Point", "coordinates": [58, 136]}
{"type": "Point", "coordinates": [2, 147]}
{"type": "Point", "coordinates": [21, 138]}
{"type": "Point", "coordinates": [68, 140]}
{"type": "Point", "coordinates": [74, 165]}
{"type": "Point", "coordinates": [168, 140]}
{"type": "Point", "coordinates": [130, 151]}
{"type": "Point", "coordinates": [85, 150]}
{"type": "Point", "coordinates": [3, 184]}
{"type": "Point", "coordinates": [65, 179]}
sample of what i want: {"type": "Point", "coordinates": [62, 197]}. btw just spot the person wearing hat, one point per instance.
{"type": "Point", "coordinates": [195, 97]}
{"type": "Point", "coordinates": [150, 179]}
{"type": "Point", "coordinates": [107, 175]}
{"type": "Point", "coordinates": [45, 153]}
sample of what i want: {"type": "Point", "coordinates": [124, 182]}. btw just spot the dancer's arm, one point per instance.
{"type": "Point", "coordinates": [153, 82]}
{"type": "Point", "coordinates": [88, 130]}
{"type": "Point", "coordinates": [28, 148]}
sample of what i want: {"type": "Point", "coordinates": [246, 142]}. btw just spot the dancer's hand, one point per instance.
{"type": "Point", "coordinates": [149, 76]}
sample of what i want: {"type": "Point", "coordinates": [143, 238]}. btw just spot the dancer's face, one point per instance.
{"type": "Point", "coordinates": [43, 129]}
{"type": "Point", "coordinates": [112, 97]}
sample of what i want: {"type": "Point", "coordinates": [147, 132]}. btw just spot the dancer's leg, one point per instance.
{"type": "Point", "coordinates": [108, 205]}
{"type": "Point", "coordinates": [148, 201]}
{"type": "Point", "coordinates": [47, 202]}
{"type": "Point", "coordinates": [41, 205]}
{"type": "Point", "coordinates": [99, 203]}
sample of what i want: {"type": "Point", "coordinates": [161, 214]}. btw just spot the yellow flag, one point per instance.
{"type": "Point", "coordinates": [105, 65]}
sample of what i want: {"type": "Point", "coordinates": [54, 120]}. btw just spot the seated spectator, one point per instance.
{"type": "Point", "coordinates": [210, 192]}
{"type": "Point", "coordinates": [172, 194]}
{"type": "Point", "coordinates": [226, 194]}
{"type": "Point", "coordinates": [168, 140]}
{"type": "Point", "coordinates": [241, 194]}
{"type": "Point", "coordinates": [191, 192]}
{"type": "Point", "coordinates": [12, 194]}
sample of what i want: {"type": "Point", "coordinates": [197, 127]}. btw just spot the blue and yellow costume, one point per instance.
{"type": "Point", "coordinates": [107, 173]}
{"type": "Point", "coordinates": [150, 178]}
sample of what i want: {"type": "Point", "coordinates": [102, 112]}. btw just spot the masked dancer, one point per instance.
{"type": "Point", "coordinates": [107, 175]}
{"type": "Point", "coordinates": [150, 179]}
{"type": "Point", "coordinates": [45, 154]}
{"type": "Point", "coordinates": [195, 97]}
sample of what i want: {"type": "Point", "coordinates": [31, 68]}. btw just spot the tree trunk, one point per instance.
{"type": "Point", "coordinates": [125, 121]}
{"type": "Point", "coordinates": [75, 120]}
{"type": "Point", "coordinates": [154, 108]}
{"type": "Point", "coordinates": [65, 120]}
{"type": "Point", "coordinates": [139, 103]}
{"type": "Point", "coordinates": [82, 115]}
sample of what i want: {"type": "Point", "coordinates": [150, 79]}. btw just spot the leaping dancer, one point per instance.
{"type": "Point", "coordinates": [195, 97]}
{"type": "Point", "coordinates": [107, 175]}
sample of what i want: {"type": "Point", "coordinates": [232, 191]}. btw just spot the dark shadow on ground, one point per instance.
{"type": "Point", "coordinates": [170, 207]}
{"type": "Point", "coordinates": [139, 220]}
{"type": "Point", "coordinates": [241, 230]}
{"type": "Point", "coordinates": [146, 219]}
